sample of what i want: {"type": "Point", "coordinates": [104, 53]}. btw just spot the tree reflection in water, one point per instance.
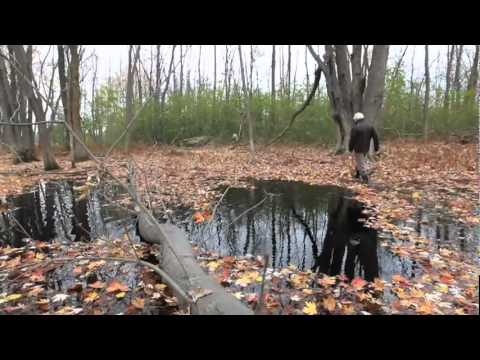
{"type": "Point", "coordinates": [53, 211]}
{"type": "Point", "coordinates": [311, 227]}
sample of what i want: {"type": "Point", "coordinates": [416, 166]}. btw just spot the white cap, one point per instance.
{"type": "Point", "coordinates": [358, 116]}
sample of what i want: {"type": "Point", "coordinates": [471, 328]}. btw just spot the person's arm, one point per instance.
{"type": "Point", "coordinates": [375, 140]}
{"type": "Point", "coordinates": [353, 133]}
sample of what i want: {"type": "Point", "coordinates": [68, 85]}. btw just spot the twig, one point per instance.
{"type": "Point", "coordinates": [260, 304]}
{"type": "Point", "coordinates": [165, 277]}
{"type": "Point", "coordinates": [249, 209]}
{"type": "Point", "coordinates": [127, 128]}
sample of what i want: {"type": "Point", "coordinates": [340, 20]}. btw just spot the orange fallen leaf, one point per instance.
{"type": "Point", "coordinates": [116, 286]}
{"type": "Point", "coordinates": [329, 303]}
{"type": "Point", "coordinates": [78, 270]}
{"type": "Point", "coordinates": [358, 283]}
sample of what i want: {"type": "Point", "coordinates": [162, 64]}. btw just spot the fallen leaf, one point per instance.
{"type": "Point", "coordinates": [12, 297]}
{"type": "Point", "coordinates": [329, 303]}
{"type": "Point", "coordinates": [358, 283]}
{"type": "Point", "coordinates": [91, 297]}
{"type": "Point", "coordinates": [310, 308]}
{"type": "Point", "coordinates": [116, 286]}
{"type": "Point", "coordinates": [120, 295]}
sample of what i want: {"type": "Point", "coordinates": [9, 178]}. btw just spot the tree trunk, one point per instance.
{"type": "Point", "coordinates": [289, 72]}
{"type": "Point", "coordinates": [450, 53]}
{"type": "Point", "coordinates": [247, 97]}
{"type": "Point", "coordinates": [181, 70]}
{"type": "Point", "coordinates": [273, 87]}
{"type": "Point", "coordinates": [473, 78]}
{"type": "Point", "coordinates": [306, 72]}
{"type": "Point", "coordinates": [158, 75]}
{"type": "Point", "coordinates": [27, 87]}
{"type": "Point", "coordinates": [375, 89]}
{"type": "Point", "coordinates": [357, 79]}
{"type": "Point", "coordinates": [427, 95]}
{"type": "Point", "coordinates": [457, 82]}
{"type": "Point", "coordinates": [79, 153]}
{"type": "Point", "coordinates": [214, 74]}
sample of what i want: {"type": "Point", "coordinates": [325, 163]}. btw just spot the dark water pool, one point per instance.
{"type": "Point", "coordinates": [317, 228]}
{"type": "Point", "coordinates": [54, 211]}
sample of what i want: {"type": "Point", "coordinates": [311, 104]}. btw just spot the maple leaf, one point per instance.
{"type": "Point", "coordinates": [358, 283]}
{"type": "Point", "coordinates": [116, 286]}
{"type": "Point", "coordinates": [329, 303]}
{"type": "Point", "coordinates": [91, 297]}
{"type": "Point", "coordinates": [426, 309]}
{"type": "Point", "coordinates": [138, 303]}
{"type": "Point", "coordinates": [310, 308]}
{"type": "Point", "coordinates": [247, 278]}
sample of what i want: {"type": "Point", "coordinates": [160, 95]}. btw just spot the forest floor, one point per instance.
{"type": "Point", "coordinates": [406, 176]}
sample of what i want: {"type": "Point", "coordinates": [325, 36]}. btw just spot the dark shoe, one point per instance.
{"type": "Point", "coordinates": [365, 179]}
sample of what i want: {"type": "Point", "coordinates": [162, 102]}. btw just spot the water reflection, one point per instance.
{"type": "Point", "coordinates": [312, 227]}
{"type": "Point", "coordinates": [316, 228]}
{"type": "Point", "coordinates": [54, 211]}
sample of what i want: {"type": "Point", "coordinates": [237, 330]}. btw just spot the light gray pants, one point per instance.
{"type": "Point", "coordinates": [361, 163]}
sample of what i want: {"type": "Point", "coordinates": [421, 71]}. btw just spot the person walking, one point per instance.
{"type": "Point", "coordinates": [360, 136]}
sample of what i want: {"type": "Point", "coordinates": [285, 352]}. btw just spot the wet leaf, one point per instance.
{"type": "Point", "coordinates": [358, 283]}
{"type": "Point", "coordinates": [91, 297]}
{"type": "Point", "coordinates": [11, 298]}
{"type": "Point", "coordinates": [329, 303]}
{"type": "Point", "coordinates": [116, 286]}
{"type": "Point", "coordinates": [310, 308]}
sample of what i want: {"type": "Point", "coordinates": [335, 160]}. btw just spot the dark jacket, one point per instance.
{"type": "Point", "coordinates": [360, 137]}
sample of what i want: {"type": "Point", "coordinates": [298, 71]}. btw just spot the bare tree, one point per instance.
{"type": "Point", "coordinates": [427, 94]}
{"type": "Point", "coordinates": [248, 100]}
{"type": "Point", "coordinates": [289, 71]}
{"type": "Point", "coordinates": [214, 74]}
{"type": "Point", "coordinates": [30, 90]}
{"type": "Point", "coordinates": [473, 78]}
{"type": "Point", "coordinates": [457, 81]}
{"type": "Point", "coordinates": [347, 94]}
{"type": "Point", "coordinates": [129, 94]}
{"type": "Point", "coordinates": [74, 94]}
{"type": "Point", "coordinates": [448, 76]}
{"type": "Point", "coordinates": [273, 84]}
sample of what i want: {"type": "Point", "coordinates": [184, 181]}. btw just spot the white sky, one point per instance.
{"type": "Point", "coordinates": [113, 58]}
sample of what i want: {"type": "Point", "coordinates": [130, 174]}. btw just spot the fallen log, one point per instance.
{"type": "Point", "coordinates": [179, 262]}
